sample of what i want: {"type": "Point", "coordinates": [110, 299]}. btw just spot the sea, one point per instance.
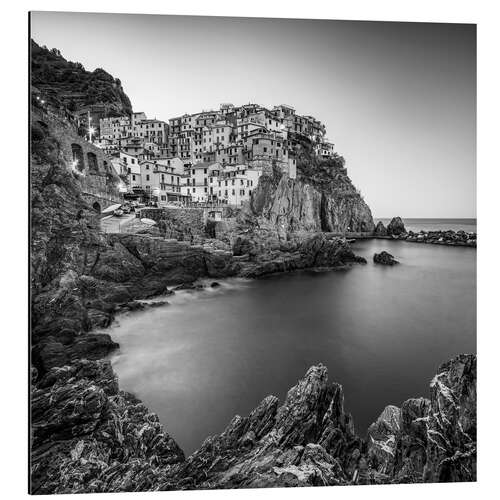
{"type": "Point", "coordinates": [382, 332]}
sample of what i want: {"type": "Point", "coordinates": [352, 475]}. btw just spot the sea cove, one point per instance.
{"type": "Point", "coordinates": [381, 332]}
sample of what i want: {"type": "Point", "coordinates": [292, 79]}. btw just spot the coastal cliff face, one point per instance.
{"type": "Point", "coordinates": [321, 199]}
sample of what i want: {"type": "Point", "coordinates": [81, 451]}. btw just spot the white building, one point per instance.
{"type": "Point", "coordinates": [236, 184]}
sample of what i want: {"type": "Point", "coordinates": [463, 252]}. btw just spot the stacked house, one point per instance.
{"type": "Point", "coordinates": [212, 157]}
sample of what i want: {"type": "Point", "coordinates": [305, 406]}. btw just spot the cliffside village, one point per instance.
{"type": "Point", "coordinates": [212, 157]}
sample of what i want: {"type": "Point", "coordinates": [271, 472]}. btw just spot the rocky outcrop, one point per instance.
{"type": "Point", "coordinates": [88, 436]}
{"type": "Point", "coordinates": [323, 199]}
{"type": "Point", "coordinates": [317, 251]}
{"type": "Point", "coordinates": [380, 229]}
{"type": "Point", "coordinates": [430, 440]}
{"type": "Point", "coordinates": [308, 440]}
{"type": "Point", "coordinates": [384, 258]}
{"type": "Point", "coordinates": [396, 227]}
{"type": "Point", "coordinates": [451, 425]}
{"type": "Point", "coordinates": [382, 440]}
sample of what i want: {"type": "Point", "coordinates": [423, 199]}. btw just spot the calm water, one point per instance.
{"type": "Point", "coordinates": [416, 225]}
{"type": "Point", "coordinates": [381, 331]}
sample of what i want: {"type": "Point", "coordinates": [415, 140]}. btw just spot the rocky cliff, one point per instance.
{"type": "Point", "coordinates": [321, 198]}
{"type": "Point", "coordinates": [88, 436]}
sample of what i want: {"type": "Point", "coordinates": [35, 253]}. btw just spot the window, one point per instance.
{"type": "Point", "coordinates": [132, 161]}
{"type": "Point", "coordinates": [232, 192]}
{"type": "Point", "coordinates": [194, 190]}
{"type": "Point", "coordinates": [133, 177]}
{"type": "Point", "coordinates": [265, 150]}
{"type": "Point", "coordinates": [147, 177]}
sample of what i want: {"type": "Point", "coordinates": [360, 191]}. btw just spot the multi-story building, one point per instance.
{"type": "Point", "coordinates": [236, 183]}
{"type": "Point", "coordinates": [199, 183]}
{"type": "Point", "coordinates": [325, 149]}
{"type": "Point", "coordinates": [134, 126]}
{"type": "Point", "coordinates": [212, 156]}
{"type": "Point", "coordinates": [161, 182]}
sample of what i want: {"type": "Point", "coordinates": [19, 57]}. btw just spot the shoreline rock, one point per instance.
{"type": "Point", "coordinates": [396, 227]}
{"type": "Point", "coordinates": [384, 258]}
{"type": "Point", "coordinates": [88, 436]}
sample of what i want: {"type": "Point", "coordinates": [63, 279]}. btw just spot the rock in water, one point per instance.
{"type": "Point", "coordinates": [384, 258]}
{"type": "Point", "coordinates": [396, 227]}
{"type": "Point", "coordinates": [380, 229]}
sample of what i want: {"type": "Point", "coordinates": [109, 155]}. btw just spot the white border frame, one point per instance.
{"type": "Point", "coordinates": [15, 237]}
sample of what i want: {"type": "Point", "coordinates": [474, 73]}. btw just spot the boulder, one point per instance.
{"type": "Point", "coordinates": [396, 227]}
{"type": "Point", "coordinates": [380, 229]}
{"type": "Point", "coordinates": [384, 258]}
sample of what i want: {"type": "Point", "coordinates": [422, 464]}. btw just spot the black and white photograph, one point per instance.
{"type": "Point", "coordinates": [252, 248]}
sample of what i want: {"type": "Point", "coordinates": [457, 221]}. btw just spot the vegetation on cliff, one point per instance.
{"type": "Point", "coordinates": [68, 84]}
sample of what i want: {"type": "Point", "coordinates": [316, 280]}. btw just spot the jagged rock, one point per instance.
{"type": "Point", "coordinates": [411, 455]}
{"type": "Point", "coordinates": [279, 446]}
{"type": "Point", "coordinates": [90, 437]}
{"type": "Point", "coordinates": [451, 426]}
{"type": "Point", "coordinates": [382, 439]}
{"type": "Point", "coordinates": [380, 229]}
{"type": "Point", "coordinates": [396, 227]}
{"type": "Point", "coordinates": [430, 440]}
{"type": "Point", "coordinates": [384, 258]}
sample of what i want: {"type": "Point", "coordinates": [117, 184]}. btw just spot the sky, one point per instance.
{"type": "Point", "coordinates": [398, 99]}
